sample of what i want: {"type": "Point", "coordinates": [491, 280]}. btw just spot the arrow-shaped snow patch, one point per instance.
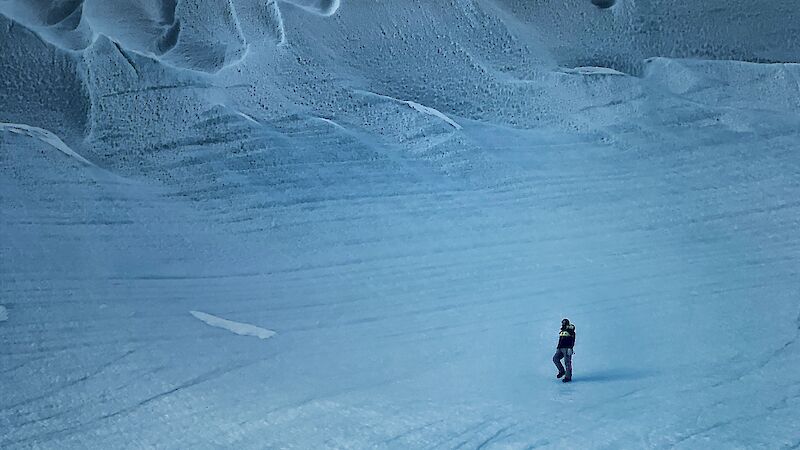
{"type": "Point", "coordinates": [239, 328]}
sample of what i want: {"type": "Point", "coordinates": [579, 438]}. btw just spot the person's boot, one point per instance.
{"type": "Point", "coordinates": [560, 374]}
{"type": "Point", "coordinates": [566, 380]}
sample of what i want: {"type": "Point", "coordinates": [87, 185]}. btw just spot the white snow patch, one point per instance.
{"type": "Point", "coordinates": [44, 136]}
{"type": "Point", "coordinates": [331, 122]}
{"type": "Point", "coordinates": [248, 117]}
{"type": "Point", "coordinates": [416, 106]}
{"type": "Point", "coordinates": [239, 328]}
{"type": "Point", "coordinates": [181, 34]}
{"type": "Point", "coordinates": [432, 112]}
{"type": "Point", "coordinates": [592, 70]}
{"type": "Point", "coordinates": [3, 313]}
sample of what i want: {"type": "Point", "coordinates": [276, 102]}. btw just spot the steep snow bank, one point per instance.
{"type": "Point", "coordinates": [202, 35]}
{"type": "Point", "coordinates": [41, 85]}
{"type": "Point", "coordinates": [61, 23]}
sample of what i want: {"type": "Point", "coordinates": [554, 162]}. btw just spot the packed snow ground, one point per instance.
{"type": "Point", "coordinates": [406, 211]}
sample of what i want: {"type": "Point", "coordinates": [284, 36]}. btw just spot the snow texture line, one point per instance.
{"type": "Point", "coordinates": [500, 432]}
{"type": "Point", "coordinates": [74, 382]}
{"type": "Point", "coordinates": [66, 431]}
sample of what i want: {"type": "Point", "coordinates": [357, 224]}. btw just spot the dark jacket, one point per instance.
{"type": "Point", "coordinates": [566, 338]}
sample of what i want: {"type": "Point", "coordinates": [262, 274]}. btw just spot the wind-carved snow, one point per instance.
{"type": "Point", "coordinates": [3, 313]}
{"type": "Point", "coordinates": [44, 136]}
{"type": "Point", "coordinates": [243, 329]}
{"type": "Point", "coordinates": [204, 36]}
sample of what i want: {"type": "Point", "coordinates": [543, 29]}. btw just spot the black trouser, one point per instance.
{"type": "Point", "coordinates": [566, 355]}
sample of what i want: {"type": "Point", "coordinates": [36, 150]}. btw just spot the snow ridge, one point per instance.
{"type": "Point", "coordinates": [416, 106]}
{"type": "Point", "coordinates": [433, 112]}
{"type": "Point", "coordinates": [45, 136]}
{"type": "Point", "coordinates": [239, 328]}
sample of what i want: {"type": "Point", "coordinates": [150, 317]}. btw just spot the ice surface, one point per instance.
{"type": "Point", "coordinates": [412, 194]}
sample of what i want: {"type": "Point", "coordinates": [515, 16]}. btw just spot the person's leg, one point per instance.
{"type": "Point", "coordinates": [557, 361]}
{"type": "Point", "coordinates": [568, 362]}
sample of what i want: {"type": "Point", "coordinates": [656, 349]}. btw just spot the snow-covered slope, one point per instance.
{"type": "Point", "coordinates": [380, 211]}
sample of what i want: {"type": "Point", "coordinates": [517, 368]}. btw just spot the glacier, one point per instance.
{"type": "Point", "coordinates": [358, 224]}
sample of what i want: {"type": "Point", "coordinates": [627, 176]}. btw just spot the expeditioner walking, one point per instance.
{"type": "Point", "coordinates": [566, 343]}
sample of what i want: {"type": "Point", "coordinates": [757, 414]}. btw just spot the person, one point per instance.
{"type": "Point", "coordinates": [566, 343]}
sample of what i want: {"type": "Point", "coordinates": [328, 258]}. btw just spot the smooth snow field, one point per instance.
{"type": "Point", "coordinates": [317, 224]}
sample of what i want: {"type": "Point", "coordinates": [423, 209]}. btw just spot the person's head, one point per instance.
{"type": "Point", "coordinates": [564, 322]}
